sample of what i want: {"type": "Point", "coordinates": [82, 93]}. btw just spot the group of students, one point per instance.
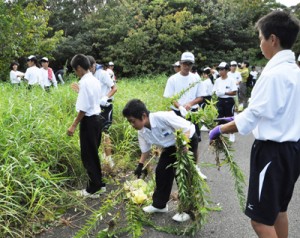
{"type": "Point", "coordinates": [34, 75]}
{"type": "Point", "coordinates": [271, 115]}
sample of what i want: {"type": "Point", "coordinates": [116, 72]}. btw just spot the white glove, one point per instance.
{"type": "Point", "coordinates": [220, 93]}
{"type": "Point", "coordinates": [103, 101]}
{"type": "Point", "coordinates": [183, 111]}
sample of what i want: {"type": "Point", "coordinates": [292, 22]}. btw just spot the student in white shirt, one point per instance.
{"type": "Point", "coordinates": [15, 75]}
{"type": "Point", "coordinates": [189, 100]}
{"type": "Point", "coordinates": [158, 128]}
{"type": "Point", "coordinates": [273, 116]}
{"type": "Point", "coordinates": [110, 71]}
{"type": "Point", "coordinates": [48, 77]}
{"type": "Point", "coordinates": [33, 73]}
{"type": "Point", "coordinates": [225, 88]}
{"type": "Point", "coordinates": [88, 117]}
{"type": "Point", "coordinates": [238, 79]}
{"type": "Point", "coordinates": [108, 90]}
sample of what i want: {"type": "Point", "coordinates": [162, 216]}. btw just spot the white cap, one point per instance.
{"type": "Point", "coordinates": [233, 63]}
{"type": "Point", "coordinates": [45, 59]}
{"type": "Point", "coordinates": [187, 57]}
{"type": "Point", "coordinates": [176, 64]}
{"type": "Point", "coordinates": [223, 65]}
{"type": "Point", "coordinates": [31, 57]}
{"type": "Point", "coordinates": [207, 68]}
{"type": "Point", "coordinates": [111, 63]}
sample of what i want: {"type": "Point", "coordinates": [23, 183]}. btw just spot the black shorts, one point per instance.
{"type": "Point", "coordinates": [274, 170]}
{"type": "Point", "coordinates": [106, 117]}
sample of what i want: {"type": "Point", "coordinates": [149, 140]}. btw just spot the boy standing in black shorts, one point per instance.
{"type": "Point", "coordinates": [273, 116]}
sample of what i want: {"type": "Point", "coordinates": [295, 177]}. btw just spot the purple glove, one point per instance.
{"type": "Point", "coordinates": [215, 133]}
{"type": "Point", "coordinates": [226, 119]}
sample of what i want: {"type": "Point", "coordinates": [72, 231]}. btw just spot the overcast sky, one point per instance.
{"type": "Point", "coordinates": [289, 2]}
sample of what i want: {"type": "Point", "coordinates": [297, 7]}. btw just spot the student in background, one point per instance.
{"type": "Point", "coordinates": [176, 67]}
{"type": "Point", "coordinates": [47, 74]}
{"type": "Point", "coordinates": [33, 73]}
{"type": "Point", "coordinates": [15, 75]}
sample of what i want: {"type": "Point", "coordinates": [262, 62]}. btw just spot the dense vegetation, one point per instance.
{"type": "Point", "coordinates": [40, 164]}
{"type": "Point", "coordinates": [140, 36]}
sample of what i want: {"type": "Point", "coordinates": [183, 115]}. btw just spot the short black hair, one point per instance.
{"type": "Point", "coordinates": [91, 59]}
{"type": "Point", "coordinates": [282, 24]}
{"type": "Point", "coordinates": [246, 62]}
{"type": "Point", "coordinates": [80, 60]}
{"type": "Point", "coordinates": [13, 63]}
{"type": "Point", "coordinates": [135, 108]}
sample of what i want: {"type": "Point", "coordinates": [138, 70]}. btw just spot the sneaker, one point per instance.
{"type": "Point", "coordinates": [181, 217]}
{"type": "Point", "coordinates": [84, 193]}
{"type": "Point", "coordinates": [151, 209]}
{"type": "Point", "coordinates": [232, 137]}
{"type": "Point", "coordinates": [200, 173]}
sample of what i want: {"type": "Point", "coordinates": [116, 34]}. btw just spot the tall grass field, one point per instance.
{"type": "Point", "coordinates": [40, 164]}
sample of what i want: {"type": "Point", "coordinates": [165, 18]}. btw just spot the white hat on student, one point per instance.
{"type": "Point", "coordinates": [176, 64]}
{"type": "Point", "coordinates": [223, 65]}
{"type": "Point", "coordinates": [233, 63]}
{"type": "Point", "coordinates": [111, 63]}
{"type": "Point", "coordinates": [45, 59]}
{"type": "Point", "coordinates": [31, 57]}
{"type": "Point", "coordinates": [187, 57]}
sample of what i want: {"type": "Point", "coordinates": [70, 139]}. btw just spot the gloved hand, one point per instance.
{"type": "Point", "coordinates": [183, 111]}
{"type": "Point", "coordinates": [103, 101]}
{"type": "Point", "coordinates": [139, 170]}
{"type": "Point", "coordinates": [226, 119]}
{"type": "Point", "coordinates": [215, 133]}
{"type": "Point", "coordinates": [220, 93]}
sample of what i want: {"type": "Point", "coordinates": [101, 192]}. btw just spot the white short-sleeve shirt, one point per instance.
{"type": "Point", "coordinates": [273, 112]}
{"type": "Point", "coordinates": [225, 85]}
{"type": "Point", "coordinates": [33, 75]}
{"type": "Point", "coordinates": [163, 127]}
{"type": "Point", "coordinates": [14, 76]}
{"type": "Point", "coordinates": [177, 83]}
{"type": "Point", "coordinates": [105, 81]}
{"type": "Point", "coordinates": [88, 99]}
{"type": "Point", "coordinates": [45, 80]}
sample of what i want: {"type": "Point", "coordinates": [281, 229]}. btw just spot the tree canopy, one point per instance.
{"type": "Point", "coordinates": [140, 36]}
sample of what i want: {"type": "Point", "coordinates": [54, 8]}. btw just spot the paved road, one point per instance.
{"type": "Point", "coordinates": [231, 221]}
{"type": "Point", "coordinates": [228, 223]}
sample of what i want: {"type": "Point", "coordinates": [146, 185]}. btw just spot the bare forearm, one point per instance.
{"type": "Point", "coordinates": [228, 128]}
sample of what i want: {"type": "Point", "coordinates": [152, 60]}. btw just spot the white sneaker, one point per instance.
{"type": "Point", "coordinates": [204, 128]}
{"type": "Point", "coordinates": [151, 209]}
{"type": "Point", "coordinates": [181, 217]}
{"type": "Point", "coordinates": [200, 173]}
{"type": "Point", "coordinates": [84, 193]}
{"type": "Point", "coordinates": [232, 137]}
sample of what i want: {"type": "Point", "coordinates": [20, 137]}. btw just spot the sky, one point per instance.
{"type": "Point", "coordinates": [288, 3]}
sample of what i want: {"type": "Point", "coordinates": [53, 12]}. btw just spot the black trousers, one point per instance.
{"type": "Point", "coordinates": [165, 174]}
{"type": "Point", "coordinates": [106, 117]}
{"type": "Point", "coordinates": [90, 137]}
{"type": "Point", "coordinates": [225, 108]}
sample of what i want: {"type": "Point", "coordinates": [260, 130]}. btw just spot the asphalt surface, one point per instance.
{"type": "Point", "coordinates": [230, 222]}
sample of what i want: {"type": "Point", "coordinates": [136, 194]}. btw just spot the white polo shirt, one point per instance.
{"type": "Point", "coordinates": [163, 127]}
{"type": "Point", "coordinates": [237, 77]}
{"type": "Point", "coordinates": [225, 85]}
{"type": "Point", "coordinates": [177, 83]}
{"type": "Point", "coordinates": [33, 75]}
{"type": "Point", "coordinates": [273, 112]}
{"type": "Point", "coordinates": [45, 80]}
{"type": "Point", "coordinates": [88, 99]}
{"type": "Point", "coordinates": [207, 87]}
{"type": "Point", "coordinates": [105, 81]}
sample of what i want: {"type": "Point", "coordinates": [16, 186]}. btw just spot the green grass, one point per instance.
{"type": "Point", "coordinates": [40, 164]}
